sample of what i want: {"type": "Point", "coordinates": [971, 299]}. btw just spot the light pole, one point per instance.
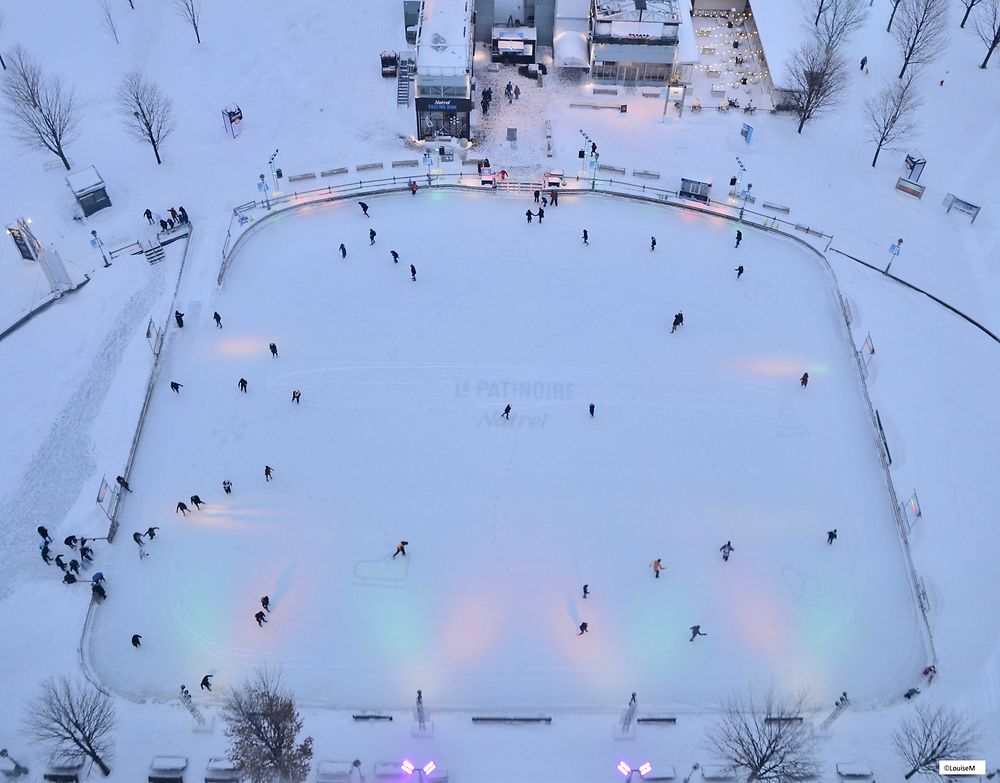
{"type": "Point", "coordinates": [274, 177]}
{"type": "Point", "coordinates": [893, 252]}
{"type": "Point", "coordinates": [96, 242]}
{"type": "Point", "coordinates": [262, 186]}
{"type": "Point", "coordinates": [643, 769]}
{"type": "Point", "coordinates": [18, 769]}
{"type": "Point", "coordinates": [422, 772]}
{"type": "Point", "coordinates": [746, 197]}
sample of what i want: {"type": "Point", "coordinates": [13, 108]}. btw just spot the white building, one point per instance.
{"type": "Point", "coordinates": [634, 41]}
{"type": "Point", "coordinates": [443, 80]}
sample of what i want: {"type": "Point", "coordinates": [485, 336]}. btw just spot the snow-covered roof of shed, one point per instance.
{"type": "Point", "coordinates": [443, 45]}
{"type": "Point", "coordinates": [625, 10]}
{"type": "Point", "coordinates": [780, 33]}
{"type": "Point", "coordinates": [84, 181]}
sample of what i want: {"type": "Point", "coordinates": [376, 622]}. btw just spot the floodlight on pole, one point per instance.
{"type": "Point", "coordinates": [643, 769]}
{"type": "Point", "coordinates": [422, 772]}
{"type": "Point", "coordinates": [96, 242]}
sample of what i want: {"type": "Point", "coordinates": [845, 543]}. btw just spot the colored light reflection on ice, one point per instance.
{"type": "Point", "coordinates": [779, 368]}
{"type": "Point", "coordinates": [240, 347]}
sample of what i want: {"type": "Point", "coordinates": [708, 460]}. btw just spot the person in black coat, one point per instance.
{"type": "Point", "coordinates": [343, 250]}
{"type": "Point", "coordinates": [136, 640]}
{"type": "Point", "coordinates": [197, 501]}
{"type": "Point", "coordinates": [364, 208]}
{"type": "Point", "coordinates": [121, 482]}
{"type": "Point", "coordinates": [44, 533]}
{"type": "Point", "coordinates": [179, 318]}
{"type": "Point", "coordinates": [182, 508]}
{"type": "Point", "coordinates": [148, 214]}
{"type": "Point", "coordinates": [175, 387]}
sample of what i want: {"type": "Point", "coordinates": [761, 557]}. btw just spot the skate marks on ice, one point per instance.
{"type": "Point", "coordinates": [515, 253]}
{"type": "Point", "coordinates": [788, 423]}
{"type": "Point", "coordinates": [64, 456]}
{"type": "Point", "coordinates": [383, 572]}
{"type": "Point", "coordinates": [804, 588]}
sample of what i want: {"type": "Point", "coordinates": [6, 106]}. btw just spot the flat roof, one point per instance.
{"type": "Point", "coordinates": [687, 48]}
{"type": "Point", "coordinates": [625, 10]}
{"type": "Point", "coordinates": [780, 33]}
{"type": "Point", "coordinates": [572, 9]}
{"type": "Point", "coordinates": [84, 181]}
{"type": "Point", "coordinates": [444, 41]}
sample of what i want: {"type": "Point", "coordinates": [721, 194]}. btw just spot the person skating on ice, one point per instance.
{"type": "Point", "coordinates": [364, 208]}
{"type": "Point", "coordinates": [218, 319]}
{"type": "Point", "coordinates": [121, 482]}
{"type": "Point", "coordinates": [343, 250]}
{"type": "Point", "coordinates": [400, 549]}
{"type": "Point", "coordinates": [652, 244]}
{"type": "Point", "coordinates": [273, 348]}
{"type": "Point", "coordinates": [227, 487]}
{"type": "Point", "coordinates": [583, 629]}
{"type": "Point", "coordinates": [181, 508]}
{"type": "Point", "coordinates": [136, 640]}
{"type": "Point", "coordinates": [260, 618]}
{"type": "Point", "coordinates": [206, 684]}
{"type": "Point", "coordinates": [179, 318]}
{"type": "Point", "coordinates": [242, 385]}
{"type": "Point", "coordinates": [739, 271]}
{"type": "Point", "coordinates": [727, 550]}
{"type": "Point", "coordinates": [831, 536]}
{"type": "Point", "coordinates": [586, 590]}
{"type": "Point", "coordinates": [268, 472]}
{"type": "Point", "coordinates": [71, 541]}
{"type": "Point", "coordinates": [678, 321]}
{"type": "Point", "coordinates": [74, 566]}
{"type": "Point", "coordinates": [395, 256]}
{"type": "Point", "coordinates": [586, 237]}
{"type": "Point", "coordinates": [371, 236]}
{"type": "Point", "coordinates": [506, 412]}
{"type": "Point", "coordinates": [739, 237]}
{"type": "Point", "coordinates": [591, 409]}
{"type": "Point", "coordinates": [541, 214]}
{"type": "Point", "coordinates": [176, 387]}
{"type": "Point", "coordinates": [197, 501]}
{"type": "Point", "coordinates": [44, 533]}
{"type": "Point", "coordinates": [413, 273]}
{"type": "Point", "coordinates": [265, 601]}
{"type": "Point", "coordinates": [657, 566]}
{"type": "Point", "coordinates": [60, 562]}
{"type": "Point", "coordinates": [151, 532]}
{"type": "Point", "coordinates": [529, 215]}
{"type": "Point", "coordinates": [296, 396]}
{"type": "Point", "coordinates": [696, 631]}
{"type": "Point", "coordinates": [804, 380]}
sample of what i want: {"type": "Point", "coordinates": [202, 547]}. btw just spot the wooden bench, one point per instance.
{"type": "Point", "coordinates": [167, 769]}
{"type": "Point", "coordinates": [656, 720]}
{"type": "Point", "coordinates": [472, 162]}
{"type": "Point", "coordinates": [911, 188]}
{"type": "Point", "coordinates": [616, 106]}
{"type": "Point", "coordinates": [371, 717]}
{"type": "Point", "coordinates": [717, 772]}
{"type": "Point", "coordinates": [605, 91]}
{"type": "Point", "coordinates": [221, 770]}
{"type": "Point", "coordinates": [650, 94]}
{"type": "Point", "coordinates": [333, 172]}
{"type": "Point", "coordinates": [61, 775]}
{"type": "Point", "coordinates": [510, 719]}
{"type": "Point", "coordinates": [854, 771]}
{"type": "Point", "coordinates": [402, 164]}
{"type": "Point", "coordinates": [660, 772]}
{"type": "Point", "coordinates": [783, 719]}
{"type": "Point", "coordinates": [646, 174]}
{"type": "Point", "coordinates": [776, 207]}
{"type": "Point", "coordinates": [333, 771]}
{"type": "Point", "coordinates": [385, 770]}
{"type": "Point", "coordinates": [615, 169]}
{"type": "Point", "coordinates": [300, 177]}
{"type": "Point", "coordinates": [369, 166]}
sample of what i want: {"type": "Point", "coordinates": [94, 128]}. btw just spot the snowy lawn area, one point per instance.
{"type": "Point", "coordinates": [699, 437]}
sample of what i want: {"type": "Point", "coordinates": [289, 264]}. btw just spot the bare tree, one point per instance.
{"type": "Point", "coordinates": [147, 112]}
{"type": "Point", "coordinates": [895, 7]}
{"type": "Point", "coordinates": [41, 110]}
{"type": "Point", "coordinates": [890, 116]}
{"type": "Point", "coordinates": [921, 32]}
{"type": "Point", "coordinates": [817, 77]}
{"type": "Point", "coordinates": [819, 6]}
{"type": "Point", "coordinates": [131, 5]}
{"type": "Point", "coordinates": [75, 721]}
{"type": "Point", "coordinates": [969, 5]}
{"type": "Point", "coordinates": [190, 12]}
{"type": "Point", "coordinates": [766, 741]}
{"type": "Point", "coordinates": [987, 24]}
{"type": "Point", "coordinates": [3, 21]}
{"type": "Point", "coordinates": [263, 725]}
{"type": "Point", "coordinates": [933, 735]}
{"type": "Point", "coordinates": [108, 21]}
{"type": "Point", "coordinates": [839, 20]}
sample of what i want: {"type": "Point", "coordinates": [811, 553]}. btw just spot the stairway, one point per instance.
{"type": "Point", "coordinates": [154, 253]}
{"type": "Point", "coordinates": [403, 83]}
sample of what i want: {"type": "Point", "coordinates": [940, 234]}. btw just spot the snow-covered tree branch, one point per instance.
{"type": "Point", "coordinates": [190, 12]}
{"type": "Point", "coordinates": [75, 722]}
{"type": "Point", "coordinates": [891, 115]}
{"type": "Point", "coordinates": [933, 735]}
{"type": "Point", "coordinates": [817, 78]}
{"type": "Point", "coordinates": [148, 113]}
{"type": "Point", "coordinates": [987, 25]}
{"type": "Point", "coordinates": [921, 32]}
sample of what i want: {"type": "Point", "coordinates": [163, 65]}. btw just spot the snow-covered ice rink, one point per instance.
{"type": "Point", "coordinates": [699, 437]}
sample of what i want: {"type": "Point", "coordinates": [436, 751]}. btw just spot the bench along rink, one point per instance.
{"type": "Point", "coordinates": [699, 437]}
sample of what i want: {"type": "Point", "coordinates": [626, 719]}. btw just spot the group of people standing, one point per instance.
{"type": "Point", "coordinates": [178, 217]}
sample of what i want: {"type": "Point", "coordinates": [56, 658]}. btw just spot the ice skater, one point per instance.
{"type": "Point", "coordinates": [506, 412]}
{"type": "Point", "coordinates": [652, 244]}
{"type": "Point", "coordinates": [296, 396]}
{"type": "Point", "coordinates": [739, 237]}
{"type": "Point", "coordinates": [179, 318]}
{"type": "Point", "coordinates": [148, 214]}
{"type": "Point", "coordinates": [86, 554]}
{"type": "Point", "coordinates": [538, 195]}
{"type": "Point", "coordinates": [586, 590]}
{"type": "Point", "coordinates": [541, 214]}
{"type": "Point", "coordinates": [268, 473]}
{"type": "Point", "coordinates": [400, 549]}
{"type": "Point", "coordinates": [739, 271]}
{"type": "Point", "coordinates": [197, 502]}
{"type": "Point", "coordinates": [413, 273]}
{"type": "Point", "coordinates": [413, 188]}
{"type": "Point", "coordinates": [265, 601]}
{"type": "Point", "coordinates": [364, 208]}
{"type": "Point", "coordinates": [181, 508]}
{"type": "Point", "coordinates": [45, 553]}
{"type": "Point", "coordinates": [371, 236]}
{"type": "Point", "coordinates": [44, 533]}
{"type": "Point", "coordinates": [586, 237]}
{"type": "Point", "coordinates": [227, 487]}
{"type": "Point", "coordinates": [137, 537]}
{"type": "Point", "coordinates": [911, 693]}
{"type": "Point", "coordinates": [274, 350]}
{"type": "Point", "coordinates": [69, 579]}
{"type": "Point", "coordinates": [151, 532]}
{"type": "Point", "coordinates": [804, 380]}
{"type": "Point", "coordinates": [517, 92]}
{"type": "Point", "coordinates": [242, 384]}
{"type": "Point", "coordinates": [696, 631]}
{"type": "Point", "coordinates": [217, 318]}
{"type": "Point", "coordinates": [343, 250]}
{"type": "Point", "coordinates": [96, 590]}
{"type": "Point", "coordinates": [657, 566]}
{"type": "Point", "coordinates": [206, 684]}
{"type": "Point", "coordinates": [121, 482]}
{"type": "Point", "coordinates": [395, 256]}
{"type": "Point", "coordinates": [529, 215]}
{"type": "Point", "coordinates": [864, 62]}
{"type": "Point", "coordinates": [831, 536]}
{"type": "Point", "coordinates": [583, 629]}
{"type": "Point", "coordinates": [727, 550]}
{"type": "Point", "coordinates": [591, 409]}
{"type": "Point", "coordinates": [74, 566]}
{"type": "Point", "coordinates": [555, 198]}
{"type": "Point", "coordinates": [60, 562]}
{"type": "Point", "coordinates": [70, 541]}
{"type": "Point", "coordinates": [260, 618]}
{"type": "Point", "coordinates": [678, 321]}
{"type": "Point", "coordinates": [176, 387]}
{"type": "Point", "coordinates": [136, 640]}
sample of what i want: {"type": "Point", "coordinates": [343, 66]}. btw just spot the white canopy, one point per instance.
{"type": "Point", "coordinates": [570, 43]}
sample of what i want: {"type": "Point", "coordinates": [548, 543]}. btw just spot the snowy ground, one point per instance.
{"type": "Point", "coordinates": [700, 437]}
{"type": "Point", "coordinates": [307, 79]}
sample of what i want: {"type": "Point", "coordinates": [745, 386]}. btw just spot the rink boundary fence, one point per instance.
{"type": "Point", "coordinates": [118, 499]}
{"type": "Point", "coordinates": [740, 215]}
